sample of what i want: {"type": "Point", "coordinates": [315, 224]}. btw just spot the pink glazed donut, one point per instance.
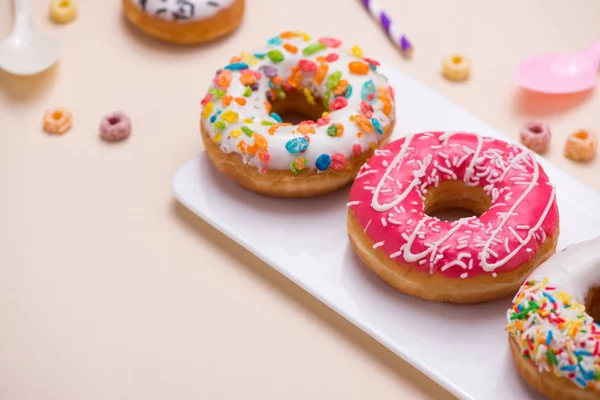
{"type": "Point", "coordinates": [470, 260]}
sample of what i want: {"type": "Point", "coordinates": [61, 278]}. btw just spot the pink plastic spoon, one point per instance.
{"type": "Point", "coordinates": [560, 73]}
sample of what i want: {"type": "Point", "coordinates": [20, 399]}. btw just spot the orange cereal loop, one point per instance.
{"type": "Point", "coordinates": [260, 141]}
{"type": "Point", "coordinates": [306, 129]}
{"type": "Point", "coordinates": [226, 100]}
{"type": "Point", "coordinates": [268, 107]}
{"type": "Point", "coordinates": [247, 79]}
{"type": "Point", "coordinates": [58, 120]}
{"type": "Point", "coordinates": [235, 59]}
{"type": "Point", "coordinates": [358, 67]}
{"type": "Point", "coordinates": [340, 89]}
{"type": "Point", "coordinates": [273, 129]}
{"type": "Point", "coordinates": [277, 80]}
{"type": "Point", "coordinates": [320, 74]}
{"type": "Point", "coordinates": [241, 146]}
{"type": "Point", "coordinates": [363, 123]}
{"type": "Point", "coordinates": [291, 48]}
{"type": "Point", "coordinates": [223, 79]}
{"type": "Point", "coordinates": [241, 101]}
{"type": "Point", "coordinates": [287, 35]}
{"type": "Point", "coordinates": [251, 149]}
{"type": "Point", "coordinates": [581, 145]}
{"type": "Point", "coordinates": [387, 108]}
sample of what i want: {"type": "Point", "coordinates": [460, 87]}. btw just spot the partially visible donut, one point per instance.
{"type": "Point", "coordinates": [185, 21]}
{"type": "Point", "coordinates": [553, 336]}
{"type": "Point", "coordinates": [469, 260]}
{"type": "Point", "coordinates": [348, 105]}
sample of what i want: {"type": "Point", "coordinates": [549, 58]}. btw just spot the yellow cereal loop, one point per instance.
{"type": "Point", "coordinates": [217, 138]}
{"type": "Point", "coordinates": [357, 52]}
{"type": "Point", "coordinates": [248, 58]}
{"type": "Point", "coordinates": [63, 11]}
{"type": "Point", "coordinates": [207, 110]}
{"type": "Point", "coordinates": [230, 116]}
{"type": "Point", "coordinates": [236, 133]}
{"type": "Point", "coordinates": [456, 67]}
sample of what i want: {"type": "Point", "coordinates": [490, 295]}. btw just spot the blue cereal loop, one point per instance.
{"type": "Point", "coordinates": [213, 118]}
{"type": "Point", "coordinates": [348, 92]}
{"type": "Point", "coordinates": [296, 145]}
{"type": "Point", "coordinates": [276, 41]}
{"type": "Point", "coordinates": [369, 92]}
{"type": "Point", "coordinates": [377, 125]}
{"type": "Point", "coordinates": [277, 118]}
{"type": "Point", "coordinates": [323, 162]}
{"type": "Point", "coordinates": [237, 66]}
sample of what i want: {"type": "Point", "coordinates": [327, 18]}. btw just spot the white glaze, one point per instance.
{"type": "Point", "coordinates": [574, 270]}
{"type": "Point", "coordinates": [182, 10]}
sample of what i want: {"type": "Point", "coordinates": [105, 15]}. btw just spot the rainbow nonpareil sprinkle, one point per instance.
{"type": "Point", "coordinates": [555, 333]}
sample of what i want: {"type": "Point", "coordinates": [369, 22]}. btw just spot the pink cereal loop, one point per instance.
{"type": "Point", "coordinates": [115, 127]}
{"type": "Point", "coordinates": [387, 201]}
{"type": "Point", "coordinates": [536, 136]}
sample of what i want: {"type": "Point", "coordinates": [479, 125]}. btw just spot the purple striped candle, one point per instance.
{"type": "Point", "coordinates": [386, 23]}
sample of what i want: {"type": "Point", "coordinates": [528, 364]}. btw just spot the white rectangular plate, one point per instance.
{"type": "Point", "coordinates": [463, 348]}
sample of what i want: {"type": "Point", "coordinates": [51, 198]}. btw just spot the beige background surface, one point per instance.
{"type": "Point", "coordinates": [111, 290]}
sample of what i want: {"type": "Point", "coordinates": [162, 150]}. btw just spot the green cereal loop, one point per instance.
{"type": "Point", "coordinates": [275, 56]}
{"type": "Point", "coordinates": [313, 48]}
{"type": "Point", "coordinates": [333, 80]}
{"type": "Point", "coordinates": [247, 131]}
{"type": "Point", "coordinates": [332, 130]}
{"type": "Point", "coordinates": [248, 91]}
{"type": "Point", "coordinates": [326, 99]}
{"type": "Point", "coordinates": [220, 125]}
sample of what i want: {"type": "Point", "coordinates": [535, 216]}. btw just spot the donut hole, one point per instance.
{"type": "Point", "coordinates": [592, 303]}
{"type": "Point", "coordinates": [535, 128]}
{"type": "Point", "coordinates": [295, 108]}
{"type": "Point", "coordinates": [453, 200]}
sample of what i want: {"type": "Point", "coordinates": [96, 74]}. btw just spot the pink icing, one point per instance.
{"type": "Point", "coordinates": [387, 201]}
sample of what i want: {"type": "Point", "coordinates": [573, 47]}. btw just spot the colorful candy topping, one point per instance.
{"type": "Point", "coordinates": [581, 145]}
{"type": "Point", "coordinates": [456, 67]}
{"type": "Point", "coordinates": [555, 333]}
{"type": "Point", "coordinates": [238, 109]}
{"type": "Point", "coordinates": [57, 120]}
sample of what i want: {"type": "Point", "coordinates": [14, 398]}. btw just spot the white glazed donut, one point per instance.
{"type": "Point", "coordinates": [185, 21]}
{"type": "Point", "coordinates": [553, 338]}
{"type": "Point", "coordinates": [349, 108]}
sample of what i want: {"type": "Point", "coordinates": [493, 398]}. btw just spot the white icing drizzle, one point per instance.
{"type": "Point", "coordinates": [182, 10]}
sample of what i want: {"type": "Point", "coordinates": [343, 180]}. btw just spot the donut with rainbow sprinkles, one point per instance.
{"type": "Point", "coordinates": [553, 338]}
{"type": "Point", "coordinates": [347, 105]}
{"type": "Point", "coordinates": [470, 260]}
